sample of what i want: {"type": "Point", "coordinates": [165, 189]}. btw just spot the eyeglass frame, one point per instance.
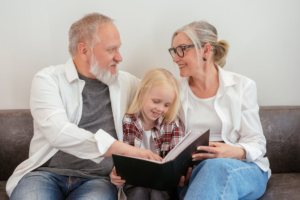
{"type": "Point", "coordinates": [183, 48]}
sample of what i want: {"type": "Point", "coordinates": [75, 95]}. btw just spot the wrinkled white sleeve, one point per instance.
{"type": "Point", "coordinates": [51, 119]}
{"type": "Point", "coordinates": [252, 138]}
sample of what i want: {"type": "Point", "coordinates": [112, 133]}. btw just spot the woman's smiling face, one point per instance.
{"type": "Point", "coordinates": [188, 64]}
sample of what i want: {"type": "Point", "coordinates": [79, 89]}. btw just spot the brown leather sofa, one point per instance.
{"type": "Point", "coordinates": [281, 127]}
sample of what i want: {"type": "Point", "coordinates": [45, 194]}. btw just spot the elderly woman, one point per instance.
{"type": "Point", "coordinates": [225, 103]}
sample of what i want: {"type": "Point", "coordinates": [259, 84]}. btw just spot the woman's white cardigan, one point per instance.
{"type": "Point", "coordinates": [236, 105]}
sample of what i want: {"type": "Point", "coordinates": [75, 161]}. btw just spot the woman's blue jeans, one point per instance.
{"type": "Point", "coordinates": [49, 186]}
{"type": "Point", "coordinates": [224, 178]}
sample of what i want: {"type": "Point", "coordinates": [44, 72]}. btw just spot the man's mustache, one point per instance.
{"type": "Point", "coordinates": [113, 63]}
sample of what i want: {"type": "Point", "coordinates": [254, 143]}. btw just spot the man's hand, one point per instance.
{"type": "Point", "coordinates": [143, 153]}
{"type": "Point", "coordinates": [219, 150]}
{"type": "Point", "coordinates": [115, 179]}
{"type": "Point", "coordinates": [125, 149]}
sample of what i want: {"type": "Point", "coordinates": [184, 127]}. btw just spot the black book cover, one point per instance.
{"type": "Point", "coordinates": [159, 176]}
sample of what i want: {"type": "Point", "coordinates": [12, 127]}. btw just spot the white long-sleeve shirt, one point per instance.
{"type": "Point", "coordinates": [56, 106]}
{"type": "Point", "coordinates": [236, 105]}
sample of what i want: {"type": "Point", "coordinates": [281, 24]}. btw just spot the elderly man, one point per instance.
{"type": "Point", "coordinates": [77, 109]}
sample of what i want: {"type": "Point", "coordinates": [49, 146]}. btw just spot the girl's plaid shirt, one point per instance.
{"type": "Point", "coordinates": [165, 136]}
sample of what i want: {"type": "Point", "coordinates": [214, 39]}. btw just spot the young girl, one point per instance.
{"type": "Point", "coordinates": [151, 122]}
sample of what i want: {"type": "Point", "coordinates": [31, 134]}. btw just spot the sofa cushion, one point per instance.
{"type": "Point", "coordinates": [3, 195]}
{"type": "Point", "coordinates": [283, 186]}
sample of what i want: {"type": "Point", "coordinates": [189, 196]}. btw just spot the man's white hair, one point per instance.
{"type": "Point", "coordinates": [85, 30]}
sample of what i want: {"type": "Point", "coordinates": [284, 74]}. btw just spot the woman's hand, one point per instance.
{"type": "Point", "coordinates": [220, 150]}
{"type": "Point", "coordinates": [115, 179]}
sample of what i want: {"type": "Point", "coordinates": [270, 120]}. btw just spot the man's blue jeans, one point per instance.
{"type": "Point", "coordinates": [45, 185]}
{"type": "Point", "coordinates": [224, 178]}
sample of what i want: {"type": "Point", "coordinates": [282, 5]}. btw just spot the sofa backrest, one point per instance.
{"type": "Point", "coordinates": [16, 131]}
{"type": "Point", "coordinates": [281, 127]}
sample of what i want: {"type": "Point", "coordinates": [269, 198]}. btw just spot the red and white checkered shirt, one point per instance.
{"type": "Point", "coordinates": [165, 136]}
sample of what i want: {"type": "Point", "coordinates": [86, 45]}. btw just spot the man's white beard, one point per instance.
{"type": "Point", "coordinates": [102, 74]}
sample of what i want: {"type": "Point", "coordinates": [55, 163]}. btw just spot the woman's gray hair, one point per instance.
{"type": "Point", "coordinates": [201, 32]}
{"type": "Point", "coordinates": [86, 30]}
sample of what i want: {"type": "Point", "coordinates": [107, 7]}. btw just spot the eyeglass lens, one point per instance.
{"type": "Point", "coordinates": [177, 50]}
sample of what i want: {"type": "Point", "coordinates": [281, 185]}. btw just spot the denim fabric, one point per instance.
{"type": "Point", "coordinates": [224, 178]}
{"type": "Point", "coordinates": [49, 186]}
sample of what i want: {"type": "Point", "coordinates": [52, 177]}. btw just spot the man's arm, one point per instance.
{"type": "Point", "coordinates": [124, 149]}
{"type": "Point", "coordinates": [51, 119]}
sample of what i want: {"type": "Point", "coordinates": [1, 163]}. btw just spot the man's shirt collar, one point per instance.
{"type": "Point", "coordinates": [71, 71]}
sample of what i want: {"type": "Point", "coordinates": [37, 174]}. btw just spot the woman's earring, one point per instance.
{"type": "Point", "coordinates": [204, 59]}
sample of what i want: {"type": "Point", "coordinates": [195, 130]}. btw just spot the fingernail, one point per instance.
{"type": "Point", "coordinates": [198, 148]}
{"type": "Point", "coordinates": [193, 156]}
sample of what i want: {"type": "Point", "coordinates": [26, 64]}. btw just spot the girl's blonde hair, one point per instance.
{"type": "Point", "coordinates": [152, 78]}
{"type": "Point", "coordinates": [202, 32]}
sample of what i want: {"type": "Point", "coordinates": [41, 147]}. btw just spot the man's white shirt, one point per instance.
{"type": "Point", "coordinates": [56, 106]}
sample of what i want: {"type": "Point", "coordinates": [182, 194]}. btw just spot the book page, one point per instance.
{"type": "Point", "coordinates": [187, 140]}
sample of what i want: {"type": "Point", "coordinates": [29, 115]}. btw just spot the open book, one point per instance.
{"type": "Point", "coordinates": [163, 175]}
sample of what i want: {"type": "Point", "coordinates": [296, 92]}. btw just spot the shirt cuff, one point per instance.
{"type": "Point", "coordinates": [252, 153]}
{"type": "Point", "coordinates": [246, 153]}
{"type": "Point", "coordinates": [104, 141]}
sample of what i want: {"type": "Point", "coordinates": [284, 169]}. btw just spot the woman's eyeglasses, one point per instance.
{"type": "Point", "coordinates": [179, 50]}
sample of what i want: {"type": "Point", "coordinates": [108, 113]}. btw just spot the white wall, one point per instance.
{"type": "Point", "coordinates": [264, 39]}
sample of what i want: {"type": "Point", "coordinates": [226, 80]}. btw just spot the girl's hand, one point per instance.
{"type": "Point", "coordinates": [185, 179]}
{"type": "Point", "coordinates": [115, 179]}
{"type": "Point", "coordinates": [220, 150]}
